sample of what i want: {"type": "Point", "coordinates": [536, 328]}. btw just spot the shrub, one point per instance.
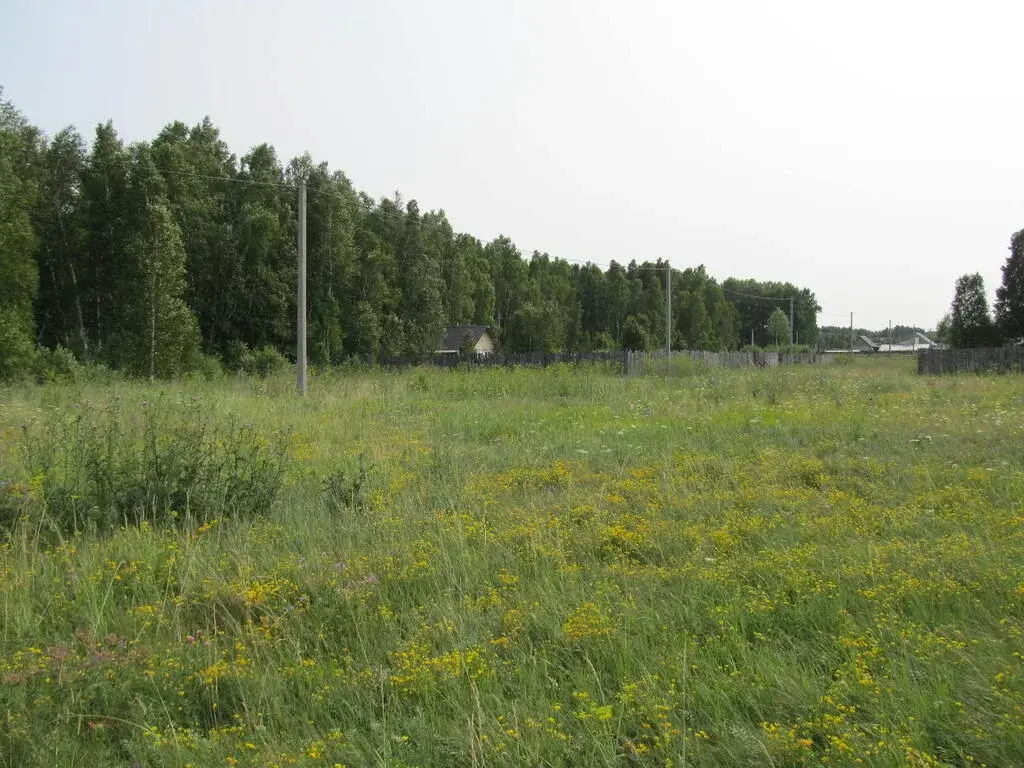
{"type": "Point", "coordinates": [59, 365]}
{"type": "Point", "coordinates": [265, 361]}
{"type": "Point", "coordinates": [53, 365]}
{"type": "Point", "coordinates": [209, 367]}
{"type": "Point", "coordinates": [234, 354]}
{"type": "Point", "coordinates": [345, 488]}
{"type": "Point", "coordinates": [106, 467]}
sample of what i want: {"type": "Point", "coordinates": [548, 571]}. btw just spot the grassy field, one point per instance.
{"type": "Point", "coordinates": [569, 568]}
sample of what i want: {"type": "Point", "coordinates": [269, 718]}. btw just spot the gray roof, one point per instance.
{"type": "Point", "coordinates": [453, 337]}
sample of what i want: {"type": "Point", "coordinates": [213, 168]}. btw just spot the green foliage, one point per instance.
{"type": "Point", "coordinates": [755, 302]}
{"type": "Point", "coordinates": [786, 567]}
{"type": "Point", "coordinates": [104, 214]}
{"type": "Point", "coordinates": [149, 256]}
{"type": "Point", "coordinates": [970, 322]}
{"type": "Point", "coordinates": [209, 367]}
{"type": "Point", "coordinates": [15, 344]}
{"type": "Point", "coordinates": [50, 366]}
{"type": "Point", "coordinates": [109, 466]}
{"type": "Point", "coordinates": [19, 276]}
{"type": "Point", "coordinates": [778, 327]}
{"type": "Point", "coordinates": [599, 342]}
{"type": "Point", "coordinates": [60, 316]}
{"type": "Point", "coordinates": [345, 489]}
{"type": "Point", "coordinates": [533, 328]}
{"type": "Point", "coordinates": [467, 346]}
{"type": "Point", "coordinates": [159, 336]}
{"type": "Point", "coordinates": [725, 320]}
{"type": "Point", "coordinates": [264, 361]}
{"type": "Point", "coordinates": [635, 335]}
{"type": "Point", "coordinates": [1010, 294]}
{"type": "Point", "coordinates": [699, 328]}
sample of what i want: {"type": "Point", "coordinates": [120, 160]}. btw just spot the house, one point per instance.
{"type": "Point", "coordinates": [458, 337]}
{"type": "Point", "coordinates": [912, 343]}
{"type": "Point", "coordinates": [864, 344]}
{"type": "Point", "coordinates": [860, 344]}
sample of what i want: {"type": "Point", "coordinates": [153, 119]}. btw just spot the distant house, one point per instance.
{"type": "Point", "coordinates": [912, 343]}
{"type": "Point", "coordinates": [860, 344]}
{"type": "Point", "coordinates": [458, 337]}
{"type": "Point", "coordinates": [864, 344]}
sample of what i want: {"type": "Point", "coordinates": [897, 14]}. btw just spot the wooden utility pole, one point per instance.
{"type": "Point", "coordinates": [668, 309]}
{"type": "Point", "coordinates": [301, 340]}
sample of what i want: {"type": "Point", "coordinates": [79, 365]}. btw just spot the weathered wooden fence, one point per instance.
{"type": "Point", "coordinates": [630, 363]}
{"type": "Point", "coordinates": [994, 360]}
{"type": "Point", "coordinates": [639, 362]}
{"type": "Point", "coordinates": [507, 360]}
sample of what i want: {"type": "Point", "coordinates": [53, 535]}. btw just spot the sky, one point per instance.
{"type": "Point", "coordinates": [870, 151]}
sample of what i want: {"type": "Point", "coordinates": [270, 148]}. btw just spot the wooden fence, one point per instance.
{"type": "Point", "coordinates": [639, 362]}
{"type": "Point", "coordinates": [996, 360]}
{"type": "Point", "coordinates": [630, 363]}
{"type": "Point", "coordinates": [507, 360]}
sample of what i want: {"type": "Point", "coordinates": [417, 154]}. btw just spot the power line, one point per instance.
{"type": "Point", "coordinates": [236, 180]}
{"type": "Point", "coordinates": [752, 296]}
{"type": "Point", "coordinates": [768, 298]}
{"type": "Point", "coordinates": [282, 185]}
{"type": "Point", "coordinates": [328, 193]}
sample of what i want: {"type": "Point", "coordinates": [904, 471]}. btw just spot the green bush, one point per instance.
{"type": "Point", "coordinates": [109, 466]}
{"type": "Point", "coordinates": [264, 361]}
{"type": "Point", "coordinates": [53, 365]}
{"type": "Point", "coordinates": [60, 366]}
{"type": "Point", "coordinates": [209, 367]}
{"type": "Point", "coordinates": [15, 344]}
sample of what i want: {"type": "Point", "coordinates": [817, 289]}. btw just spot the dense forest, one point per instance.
{"type": "Point", "coordinates": [150, 257]}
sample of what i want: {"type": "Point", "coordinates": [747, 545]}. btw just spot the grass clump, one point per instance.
{"type": "Point", "coordinates": [103, 466]}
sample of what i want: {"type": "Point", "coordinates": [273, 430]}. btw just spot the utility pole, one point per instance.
{"type": "Point", "coordinates": [301, 340]}
{"type": "Point", "coordinates": [668, 309]}
{"type": "Point", "coordinates": [791, 321]}
{"type": "Point", "coordinates": [851, 332]}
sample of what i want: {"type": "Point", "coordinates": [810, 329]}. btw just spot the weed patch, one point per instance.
{"type": "Point", "coordinates": [105, 466]}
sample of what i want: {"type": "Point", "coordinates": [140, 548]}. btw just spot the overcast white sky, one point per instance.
{"type": "Point", "coordinates": [871, 151]}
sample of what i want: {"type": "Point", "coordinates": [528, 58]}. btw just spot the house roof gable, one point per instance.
{"type": "Point", "coordinates": [453, 337]}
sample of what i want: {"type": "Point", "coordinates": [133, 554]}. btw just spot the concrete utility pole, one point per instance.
{"type": "Point", "coordinates": [851, 331]}
{"type": "Point", "coordinates": [791, 321]}
{"type": "Point", "coordinates": [668, 309]}
{"type": "Point", "coordinates": [301, 340]}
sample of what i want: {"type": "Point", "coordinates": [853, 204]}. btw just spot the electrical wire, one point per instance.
{"type": "Point", "coordinates": [282, 185]}
{"type": "Point", "coordinates": [752, 296]}
{"type": "Point", "coordinates": [325, 191]}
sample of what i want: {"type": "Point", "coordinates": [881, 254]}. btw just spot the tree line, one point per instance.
{"type": "Point", "coordinates": [970, 323]}
{"type": "Point", "coordinates": [151, 256]}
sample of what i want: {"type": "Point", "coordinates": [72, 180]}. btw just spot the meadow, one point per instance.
{"type": "Point", "coordinates": [562, 567]}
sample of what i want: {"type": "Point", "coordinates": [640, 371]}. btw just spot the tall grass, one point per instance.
{"type": "Point", "coordinates": [561, 567]}
{"type": "Point", "coordinates": [161, 463]}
